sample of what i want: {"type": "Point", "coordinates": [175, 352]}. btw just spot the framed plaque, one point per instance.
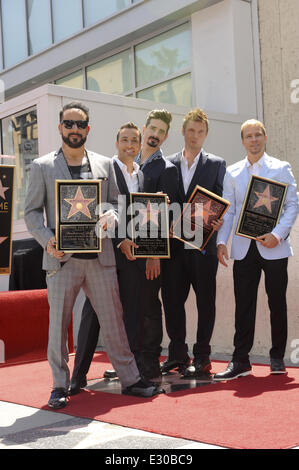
{"type": "Point", "coordinates": [262, 207]}
{"type": "Point", "coordinates": [150, 225]}
{"type": "Point", "coordinates": [77, 216]}
{"type": "Point", "coordinates": [6, 216]}
{"type": "Point", "coordinates": [194, 226]}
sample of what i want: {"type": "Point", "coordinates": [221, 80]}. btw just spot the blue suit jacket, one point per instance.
{"type": "Point", "coordinates": [235, 185]}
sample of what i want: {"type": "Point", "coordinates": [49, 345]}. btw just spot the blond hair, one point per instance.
{"type": "Point", "coordinates": [196, 114]}
{"type": "Point", "coordinates": [252, 122]}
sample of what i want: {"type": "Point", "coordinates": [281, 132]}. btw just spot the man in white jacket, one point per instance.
{"type": "Point", "coordinates": [269, 253]}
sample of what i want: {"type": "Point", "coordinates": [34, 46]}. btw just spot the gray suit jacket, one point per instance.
{"type": "Point", "coordinates": [40, 200]}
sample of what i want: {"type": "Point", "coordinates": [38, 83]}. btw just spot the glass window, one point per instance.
{"type": "Point", "coordinates": [20, 138]}
{"type": "Point", "coordinates": [163, 55]}
{"type": "Point", "coordinates": [67, 18]}
{"type": "Point", "coordinates": [14, 31]}
{"type": "Point", "coordinates": [73, 80]}
{"type": "Point", "coordinates": [177, 91]}
{"type": "Point", "coordinates": [39, 25]}
{"type": "Point", "coordinates": [95, 10]}
{"type": "Point", "coordinates": [112, 75]}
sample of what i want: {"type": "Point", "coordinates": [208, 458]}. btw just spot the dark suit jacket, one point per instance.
{"type": "Point", "coordinates": [121, 260]}
{"type": "Point", "coordinates": [161, 175]}
{"type": "Point", "coordinates": [209, 174]}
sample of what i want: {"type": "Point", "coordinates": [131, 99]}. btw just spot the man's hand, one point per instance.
{"type": "Point", "coordinates": [216, 224]}
{"type": "Point", "coordinates": [222, 254]}
{"type": "Point", "coordinates": [268, 240]}
{"type": "Point", "coordinates": [51, 249]}
{"type": "Point", "coordinates": [126, 248]}
{"type": "Point", "coordinates": [152, 269]}
{"type": "Point", "coordinates": [107, 220]}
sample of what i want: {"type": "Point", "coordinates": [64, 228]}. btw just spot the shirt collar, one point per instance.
{"type": "Point", "coordinates": [123, 167]}
{"type": "Point", "coordinates": [259, 163]}
{"type": "Point", "coordinates": [156, 155]}
{"type": "Point", "coordinates": [185, 161]}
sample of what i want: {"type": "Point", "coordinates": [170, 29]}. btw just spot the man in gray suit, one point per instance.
{"type": "Point", "coordinates": [66, 273]}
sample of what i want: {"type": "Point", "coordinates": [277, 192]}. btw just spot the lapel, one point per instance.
{"type": "Point", "coordinates": [62, 170]}
{"type": "Point", "coordinates": [199, 174]}
{"type": "Point", "coordinates": [140, 180]}
{"type": "Point", "coordinates": [121, 182]}
{"type": "Point", "coordinates": [177, 162]}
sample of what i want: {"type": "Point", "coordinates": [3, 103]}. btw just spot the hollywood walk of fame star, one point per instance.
{"type": "Point", "coordinates": [79, 204]}
{"type": "Point", "coordinates": [3, 190]}
{"type": "Point", "coordinates": [149, 214]}
{"type": "Point", "coordinates": [265, 199]}
{"type": "Point", "coordinates": [204, 210]}
{"type": "Point", "coordinates": [2, 239]}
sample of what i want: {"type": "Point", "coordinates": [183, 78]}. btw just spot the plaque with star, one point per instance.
{"type": "Point", "coordinates": [6, 216]}
{"type": "Point", "coordinates": [194, 226]}
{"type": "Point", "coordinates": [262, 207]}
{"type": "Point", "coordinates": [149, 226]}
{"type": "Point", "coordinates": [77, 215]}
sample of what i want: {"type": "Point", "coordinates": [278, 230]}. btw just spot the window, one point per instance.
{"type": "Point", "coordinates": [177, 91]}
{"type": "Point", "coordinates": [95, 10]}
{"type": "Point", "coordinates": [67, 18]}
{"type": "Point", "coordinates": [39, 25]}
{"type": "Point", "coordinates": [73, 80]}
{"type": "Point", "coordinates": [14, 31]}
{"type": "Point", "coordinates": [112, 75]}
{"type": "Point", "coordinates": [163, 55]}
{"type": "Point", "coordinates": [20, 138]}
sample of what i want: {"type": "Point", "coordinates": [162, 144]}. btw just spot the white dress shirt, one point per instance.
{"type": "Point", "coordinates": [131, 178]}
{"type": "Point", "coordinates": [188, 173]}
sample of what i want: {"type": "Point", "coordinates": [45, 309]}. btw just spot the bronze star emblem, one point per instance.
{"type": "Point", "coordinates": [2, 190]}
{"type": "Point", "coordinates": [149, 214]}
{"type": "Point", "coordinates": [79, 204]}
{"type": "Point", "coordinates": [265, 199]}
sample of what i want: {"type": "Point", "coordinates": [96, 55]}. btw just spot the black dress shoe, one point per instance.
{"type": "Point", "coordinates": [277, 366]}
{"type": "Point", "coordinates": [233, 370]}
{"type": "Point", "coordinates": [76, 387]}
{"type": "Point", "coordinates": [110, 374]}
{"type": "Point", "coordinates": [168, 365]}
{"type": "Point", "coordinates": [198, 368]}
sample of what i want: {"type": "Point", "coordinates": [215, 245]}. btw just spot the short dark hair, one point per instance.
{"type": "Point", "coordinates": [74, 105]}
{"type": "Point", "coordinates": [162, 114]}
{"type": "Point", "coordinates": [129, 125]}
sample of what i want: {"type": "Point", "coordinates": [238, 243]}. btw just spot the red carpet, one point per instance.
{"type": "Point", "coordinates": [255, 412]}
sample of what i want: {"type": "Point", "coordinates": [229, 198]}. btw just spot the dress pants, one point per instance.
{"type": "Point", "coordinates": [247, 274]}
{"type": "Point", "coordinates": [142, 316]}
{"type": "Point", "coordinates": [185, 268]}
{"type": "Point", "coordinates": [100, 285]}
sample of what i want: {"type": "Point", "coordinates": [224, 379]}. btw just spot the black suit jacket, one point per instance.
{"type": "Point", "coordinates": [161, 175]}
{"type": "Point", "coordinates": [121, 260]}
{"type": "Point", "coordinates": [209, 174]}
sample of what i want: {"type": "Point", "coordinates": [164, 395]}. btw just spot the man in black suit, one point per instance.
{"type": "Point", "coordinates": [130, 273]}
{"type": "Point", "coordinates": [160, 175]}
{"type": "Point", "coordinates": [189, 266]}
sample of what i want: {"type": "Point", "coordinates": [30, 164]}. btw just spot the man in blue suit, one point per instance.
{"type": "Point", "coordinates": [269, 253]}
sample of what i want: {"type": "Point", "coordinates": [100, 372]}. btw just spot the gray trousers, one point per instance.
{"type": "Point", "coordinates": [100, 285]}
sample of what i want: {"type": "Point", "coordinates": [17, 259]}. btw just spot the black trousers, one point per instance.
{"type": "Point", "coordinates": [185, 269]}
{"type": "Point", "coordinates": [142, 318]}
{"type": "Point", "coordinates": [247, 274]}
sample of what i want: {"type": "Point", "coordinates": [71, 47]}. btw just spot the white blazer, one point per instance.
{"type": "Point", "coordinates": [234, 189]}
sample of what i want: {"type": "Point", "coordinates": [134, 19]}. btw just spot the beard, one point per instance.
{"type": "Point", "coordinates": [74, 144]}
{"type": "Point", "coordinates": [153, 142]}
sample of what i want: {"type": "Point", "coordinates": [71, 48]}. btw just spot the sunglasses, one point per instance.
{"type": "Point", "coordinates": [69, 124]}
